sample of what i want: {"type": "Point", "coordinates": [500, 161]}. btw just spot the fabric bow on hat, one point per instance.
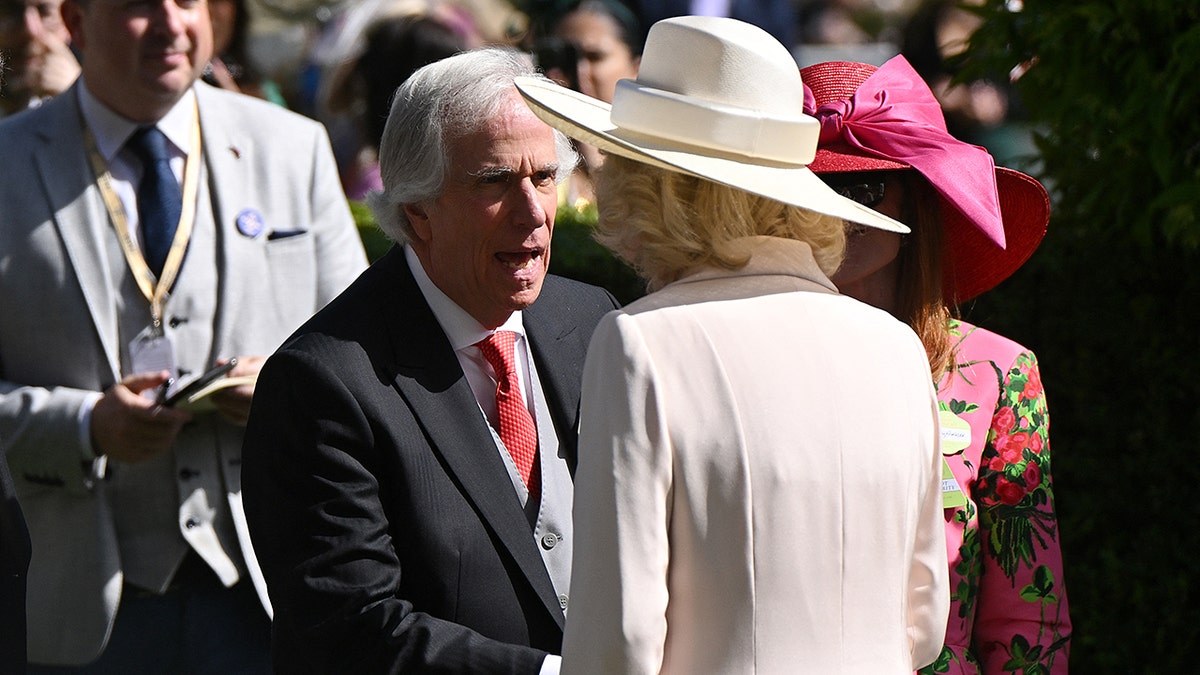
{"type": "Point", "coordinates": [894, 115]}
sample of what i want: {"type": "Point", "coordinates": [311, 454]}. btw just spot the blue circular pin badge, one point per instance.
{"type": "Point", "coordinates": [250, 223]}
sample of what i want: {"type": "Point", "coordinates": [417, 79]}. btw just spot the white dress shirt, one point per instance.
{"type": "Point", "coordinates": [111, 131]}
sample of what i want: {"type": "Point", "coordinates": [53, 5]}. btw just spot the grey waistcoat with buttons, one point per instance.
{"type": "Point", "coordinates": [550, 518]}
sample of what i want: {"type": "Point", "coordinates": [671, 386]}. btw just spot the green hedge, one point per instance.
{"type": "Point", "coordinates": [578, 256]}
{"type": "Point", "coordinates": [1107, 302]}
{"type": "Point", "coordinates": [374, 240]}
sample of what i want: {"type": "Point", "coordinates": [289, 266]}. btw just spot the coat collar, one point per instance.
{"type": "Point", "coordinates": [232, 186]}
{"type": "Point", "coordinates": [769, 256]}
{"type": "Point", "coordinates": [78, 212]}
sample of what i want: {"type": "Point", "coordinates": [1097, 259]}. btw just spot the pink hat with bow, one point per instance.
{"type": "Point", "coordinates": [886, 118]}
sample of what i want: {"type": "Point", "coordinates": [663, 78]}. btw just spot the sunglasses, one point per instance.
{"type": "Point", "coordinates": [865, 187]}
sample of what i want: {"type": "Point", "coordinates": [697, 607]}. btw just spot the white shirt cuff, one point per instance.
{"type": "Point", "coordinates": [551, 665]}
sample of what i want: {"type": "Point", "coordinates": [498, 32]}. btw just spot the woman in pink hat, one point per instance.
{"type": "Point", "coordinates": [884, 143]}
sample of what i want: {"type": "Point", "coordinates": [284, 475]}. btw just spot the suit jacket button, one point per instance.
{"type": "Point", "coordinates": [562, 602]}
{"type": "Point", "coordinates": [549, 541]}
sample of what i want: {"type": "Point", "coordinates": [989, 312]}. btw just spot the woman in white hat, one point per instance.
{"type": "Point", "coordinates": [884, 142]}
{"type": "Point", "coordinates": [757, 485]}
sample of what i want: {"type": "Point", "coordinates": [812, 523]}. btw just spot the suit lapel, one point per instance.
{"type": "Point", "coordinates": [229, 184]}
{"type": "Point", "coordinates": [79, 214]}
{"type": "Point", "coordinates": [430, 379]}
{"type": "Point", "coordinates": [558, 357]}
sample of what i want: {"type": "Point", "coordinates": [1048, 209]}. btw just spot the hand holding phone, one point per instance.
{"type": "Point", "coordinates": [200, 382]}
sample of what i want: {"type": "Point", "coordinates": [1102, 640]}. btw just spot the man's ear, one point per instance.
{"type": "Point", "coordinates": [419, 220]}
{"type": "Point", "coordinates": [72, 16]}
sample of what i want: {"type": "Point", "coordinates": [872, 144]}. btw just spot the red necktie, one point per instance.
{"type": "Point", "coordinates": [518, 431]}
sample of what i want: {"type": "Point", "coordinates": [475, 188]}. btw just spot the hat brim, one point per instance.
{"type": "Point", "coordinates": [973, 263]}
{"type": "Point", "coordinates": [589, 120]}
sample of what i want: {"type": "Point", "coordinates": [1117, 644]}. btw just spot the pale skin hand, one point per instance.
{"type": "Point", "coordinates": [129, 427]}
{"type": "Point", "coordinates": [234, 403]}
{"type": "Point", "coordinates": [59, 66]}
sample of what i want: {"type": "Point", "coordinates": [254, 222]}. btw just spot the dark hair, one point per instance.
{"type": "Point", "coordinates": [919, 40]}
{"type": "Point", "coordinates": [548, 14]}
{"type": "Point", "coordinates": [236, 55]}
{"type": "Point", "coordinates": [396, 48]}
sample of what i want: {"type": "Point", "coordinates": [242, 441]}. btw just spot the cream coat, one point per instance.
{"type": "Point", "coordinates": [758, 482]}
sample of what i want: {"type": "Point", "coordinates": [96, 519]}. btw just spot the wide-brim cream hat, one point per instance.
{"type": "Point", "coordinates": [716, 98]}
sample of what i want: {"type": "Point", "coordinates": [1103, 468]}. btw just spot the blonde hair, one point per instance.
{"type": "Point", "coordinates": [665, 223]}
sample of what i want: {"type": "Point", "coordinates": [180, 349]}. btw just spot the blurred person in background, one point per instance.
{"type": "Point", "coordinates": [327, 88]}
{"type": "Point", "coordinates": [885, 144]}
{"type": "Point", "coordinates": [607, 40]}
{"type": "Point", "coordinates": [396, 47]}
{"type": "Point", "coordinates": [983, 111]}
{"type": "Point", "coordinates": [40, 63]}
{"type": "Point", "coordinates": [587, 45]}
{"type": "Point", "coordinates": [231, 67]}
{"type": "Point", "coordinates": [14, 557]}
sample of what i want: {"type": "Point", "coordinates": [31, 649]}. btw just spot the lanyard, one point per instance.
{"type": "Point", "coordinates": [155, 290]}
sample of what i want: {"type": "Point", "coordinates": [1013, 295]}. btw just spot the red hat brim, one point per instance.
{"type": "Point", "coordinates": [972, 262]}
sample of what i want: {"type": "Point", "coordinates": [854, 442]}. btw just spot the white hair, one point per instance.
{"type": "Point", "coordinates": [438, 104]}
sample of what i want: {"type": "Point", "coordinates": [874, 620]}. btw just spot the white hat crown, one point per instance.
{"type": "Point", "coordinates": [716, 98]}
{"type": "Point", "coordinates": [736, 91]}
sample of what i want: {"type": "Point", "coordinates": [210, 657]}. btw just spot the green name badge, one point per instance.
{"type": "Point", "coordinates": [955, 432]}
{"type": "Point", "coordinates": [952, 495]}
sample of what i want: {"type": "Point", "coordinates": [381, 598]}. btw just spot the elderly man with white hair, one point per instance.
{"type": "Point", "coordinates": [408, 459]}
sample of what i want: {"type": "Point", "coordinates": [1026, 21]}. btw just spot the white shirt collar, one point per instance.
{"type": "Point", "coordinates": [462, 329]}
{"type": "Point", "coordinates": [112, 130]}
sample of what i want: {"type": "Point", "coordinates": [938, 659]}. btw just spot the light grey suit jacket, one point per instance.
{"type": "Point", "coordinates": [59, 337]}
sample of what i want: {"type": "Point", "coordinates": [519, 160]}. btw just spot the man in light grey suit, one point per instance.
{"type": "Point", "coordinates": [141, 559]}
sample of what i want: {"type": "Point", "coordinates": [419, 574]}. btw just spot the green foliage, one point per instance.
{"type": "Point", "coordinates": [576, 254]}
{"type": "Point", "coordinates": [1113, 93]}
{"type": "Point", "coordinates": [1106, 302]}
{"type": "Point", "coordinates": [374, 240]}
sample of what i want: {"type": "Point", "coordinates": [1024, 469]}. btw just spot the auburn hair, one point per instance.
{"type": "Point", "coordinates": [920, 301]}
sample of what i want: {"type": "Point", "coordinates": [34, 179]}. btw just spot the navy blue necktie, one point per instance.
{"type": "Point", "coordinates": [159, 198]}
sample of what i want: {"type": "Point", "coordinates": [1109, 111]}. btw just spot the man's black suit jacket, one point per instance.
{"type": "Point", "coordinates": [383, 517]}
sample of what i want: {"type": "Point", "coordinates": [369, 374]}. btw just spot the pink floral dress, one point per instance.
{"type": "Point", "coordinates": [1008, 605]}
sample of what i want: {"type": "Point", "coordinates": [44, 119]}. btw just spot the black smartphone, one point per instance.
{"type": "Point", "coordinates": [200, 382]}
